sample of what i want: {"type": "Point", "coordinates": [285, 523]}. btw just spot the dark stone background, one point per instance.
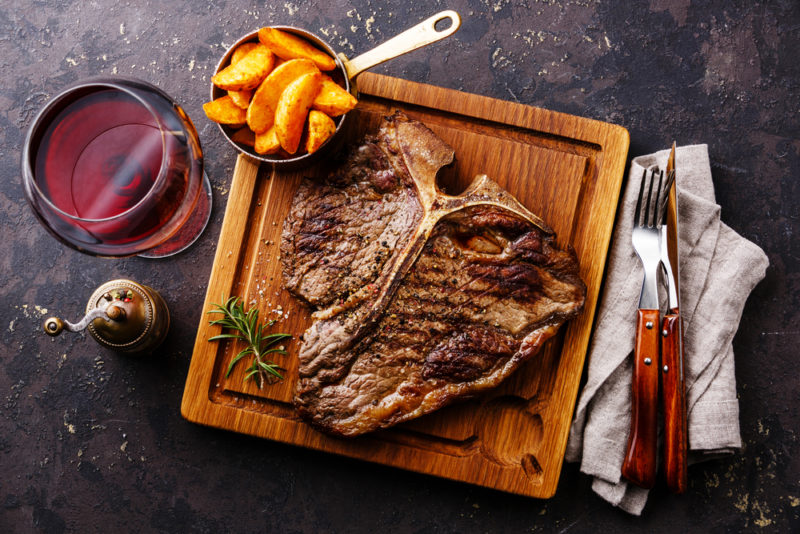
{"type": "Point", "coordinates": [94, 442]}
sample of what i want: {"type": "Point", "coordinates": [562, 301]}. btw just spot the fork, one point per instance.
{"type": "Point", "coordinates": [640, 466]}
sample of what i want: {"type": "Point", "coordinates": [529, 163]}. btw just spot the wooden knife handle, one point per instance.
{"type": "Point", "coordinates": [640, 458]}
{"type": "Point", "coordinates": [675, 433]}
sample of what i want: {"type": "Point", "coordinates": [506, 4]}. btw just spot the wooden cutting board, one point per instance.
{"type": "Point", "coordinates": [566, 169]}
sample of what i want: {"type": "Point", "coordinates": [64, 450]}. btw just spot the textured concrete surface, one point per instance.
{"type": "Point", "coordinates": [94, 442]}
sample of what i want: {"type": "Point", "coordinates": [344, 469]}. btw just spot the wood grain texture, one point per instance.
{"type": "Point", "coordinates": [640, 458]}
{"type": "Point", "coordinates": [566, 169]}
{"type": "Point", "coordinates": [674, 395]}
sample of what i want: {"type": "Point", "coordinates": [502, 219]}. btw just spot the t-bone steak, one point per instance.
{"type": "Point", "coordinates": [420, 298]}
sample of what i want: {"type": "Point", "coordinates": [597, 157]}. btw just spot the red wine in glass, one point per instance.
{"type": "Point", "coordinates": [113, 167]}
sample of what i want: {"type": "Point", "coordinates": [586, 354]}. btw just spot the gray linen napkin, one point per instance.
{"type": "Point", "coordinates": [719, 269]}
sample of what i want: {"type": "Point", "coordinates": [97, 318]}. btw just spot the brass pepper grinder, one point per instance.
{"type": "Point", "coordinates": [121, 315]}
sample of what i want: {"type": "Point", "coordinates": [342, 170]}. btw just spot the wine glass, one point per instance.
{"type": "Point", "coordinates": [113, 167]}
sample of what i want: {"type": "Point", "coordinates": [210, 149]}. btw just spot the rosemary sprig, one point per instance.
{"type": "Point", "coordinates": [246, 327]}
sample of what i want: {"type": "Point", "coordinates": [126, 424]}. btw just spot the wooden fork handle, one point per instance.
{"type": "Point", "coordinates": [639, 466]}
{"type": "Point", "coordinates": [674, 396]}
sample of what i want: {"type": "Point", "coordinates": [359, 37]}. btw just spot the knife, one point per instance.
{"type": "Point", "coordinates": [672, 377]}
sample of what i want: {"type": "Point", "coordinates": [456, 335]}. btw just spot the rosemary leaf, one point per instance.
{"type": "Point", "coordinates": [251, 374]}
{"type": "Point", "coordinates": [226, 336]}
{"type": "Point", "coordinates": [246, 327]}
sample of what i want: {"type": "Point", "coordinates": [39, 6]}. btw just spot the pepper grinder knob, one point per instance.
{"type": "Point", "coordinates": [121, 315]}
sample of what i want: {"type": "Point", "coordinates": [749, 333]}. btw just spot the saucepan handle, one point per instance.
{"type": "Point", "coordinates": [418, 36]}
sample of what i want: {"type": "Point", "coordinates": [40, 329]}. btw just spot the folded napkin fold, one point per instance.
{"type": "Point", "coordinates": [719, 269]}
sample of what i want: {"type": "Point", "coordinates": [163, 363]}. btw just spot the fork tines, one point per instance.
{"type": "Point", "coordinates": [655, 209]}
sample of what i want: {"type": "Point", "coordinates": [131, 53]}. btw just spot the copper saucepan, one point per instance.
{"type": "Point", "coordinates": [418, 36]}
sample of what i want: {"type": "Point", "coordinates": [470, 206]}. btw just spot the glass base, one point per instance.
{"type": "Point", "coordinates": [190, 231]}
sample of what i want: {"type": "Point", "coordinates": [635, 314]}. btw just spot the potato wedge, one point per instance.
{"type": "Point", "coordinates": [241, 98]}
{"type": "Point", "coordinates": [244, 136]}
{"type": "Point", "coordinates": [320, 128]}
{"type": "Point", "coordinates": [332, 98]}
{"type": "Point", "coordinates": [261, 112]}
{"type": "Point", "coordinates": [289, 46]}
{"type": "Point", "coordinates": [241, 51]}
{"type": "Point", "coordinates": [224, 111]}
{"type": "Point", "coordinates": [267, 142]}
{"type": "Point", "coordinates": [292, 109]}
{"type": "Point", "coordinates": [248, 72]}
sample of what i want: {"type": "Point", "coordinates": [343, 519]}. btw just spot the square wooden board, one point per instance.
{"type": "Point", "coordinates": [566, 169]}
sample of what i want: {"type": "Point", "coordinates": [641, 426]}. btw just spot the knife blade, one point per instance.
{"type": "Point", "coordinates": [673, 388]}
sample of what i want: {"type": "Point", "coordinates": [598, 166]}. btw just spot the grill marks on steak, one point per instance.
{"type": "Point", "coordinates": [472, 287]}
{"type": "Point", "coordinates": [339, 235]}
{"type": "Point", "coordinates": [463, 318]}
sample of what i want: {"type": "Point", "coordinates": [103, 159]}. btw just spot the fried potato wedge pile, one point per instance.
{"type": "Point", "coordinates": [278, 95]}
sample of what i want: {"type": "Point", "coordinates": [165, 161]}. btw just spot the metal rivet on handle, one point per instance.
{"type": "Point", "coordinates": [648, 361]}
{"type": "Point", "coordinates": [664, 333]}
{"type": "Point", "coordinates": [648, 325]}
{"type": "Point", "coordinates": [666, 369]}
